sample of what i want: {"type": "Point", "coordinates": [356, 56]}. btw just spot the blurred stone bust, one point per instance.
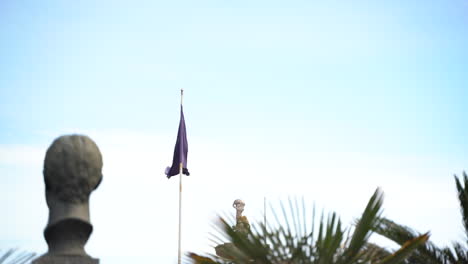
{"type": "Point", "coordinates": [72, 170]}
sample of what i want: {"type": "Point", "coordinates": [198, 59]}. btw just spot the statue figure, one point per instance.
{"type": "Point", "coordinates": [242, 223]}
{"type": "Point", "coordinates": [239, 206]}
{"type": "Point", "coordinates": [72, 170]}
{"type": "Point", "coordinates": [242, 228]}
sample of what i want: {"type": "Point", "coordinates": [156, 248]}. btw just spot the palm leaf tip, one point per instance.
{"type": "Point", "coordinates": [406, 250]}
{"type": "Point", "coordinates": [200, 259]}
{"type": "Point", "coordinates": [21, 258]}
{"type": "Point", "coordinates": [462, 192]}
{"type": "Point", "coordinates": [364, 226]}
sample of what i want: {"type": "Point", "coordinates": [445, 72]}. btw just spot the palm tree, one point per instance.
{"type": "Point", "coordinates": [291, 241]}
{"type": "Point", "coordinates": [430, 253]}
{"type": "Point", "coordinates": [8, 257]}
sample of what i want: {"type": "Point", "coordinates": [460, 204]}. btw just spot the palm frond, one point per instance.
{"type": "Point", "coordinates": [197, 259]}
{"type": "Point", "coordinates": [426, 253]}
{"type": "Point", "coordinates": [363, 228]}
{"type": "Point", "coordinates": [407, 249]}
{"type": "Point", "coordinates": [375, 252]}
{"type": "Point", "coordinates": [462, 191]}
{"type": "Point", "coordinates": [10, 257]}
{"type": "Point", "coordinates": [461, 253]}
{"type": "Point", "coordinates": [329, 241]}
{"type": "Point", "coordinates": [289, 240]}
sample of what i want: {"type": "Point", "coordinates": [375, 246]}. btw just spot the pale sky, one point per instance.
{"type": "Point", "coordinates": [322, 99]}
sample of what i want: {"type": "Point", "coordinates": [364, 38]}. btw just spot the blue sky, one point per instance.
{"type": "Point", "coordinates": [281, 98]}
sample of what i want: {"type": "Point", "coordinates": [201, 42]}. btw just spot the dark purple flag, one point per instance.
{"type": "Point", "coordinates": [180, 150]}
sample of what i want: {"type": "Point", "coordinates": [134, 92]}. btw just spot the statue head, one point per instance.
{"type": "Point", "coordinates": [239, 206]}
{"type": "Point", "coordinates": [72, 170]}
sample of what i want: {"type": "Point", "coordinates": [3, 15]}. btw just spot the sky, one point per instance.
{"type": "Point", "coordinates": [326, 100]}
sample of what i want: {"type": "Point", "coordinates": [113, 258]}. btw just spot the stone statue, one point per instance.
{"type": "Point", "coordinates": [242, 228]}
{"type": "Point", "coordinates": [239, 206]}
{"type": "Point", "coordinates": [242, 223]}
{"type": "Point", "coordinates": [72, 170]}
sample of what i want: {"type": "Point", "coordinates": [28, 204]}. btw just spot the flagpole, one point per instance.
{"type": "Point", "coordinates": [264, 215]}
{"type": "Point", "coordinates": [179, 254]}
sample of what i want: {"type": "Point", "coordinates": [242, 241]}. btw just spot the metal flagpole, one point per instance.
{"type": "Point", "coordinates": [179, 255]}
{"type": "Point", "coordinates": [180, 214]}
{"type": "Point", "coordinates": [264, 215]}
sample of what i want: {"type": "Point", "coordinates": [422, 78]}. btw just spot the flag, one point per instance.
{"type": "Point", "coordinates": [180, 150]}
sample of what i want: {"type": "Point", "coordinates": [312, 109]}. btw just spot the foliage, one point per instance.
{"type": "Point", "coordinates": [291, 241]}
{"type": "Point", "coordinates": [429, 253]}
{"type": "Point", "coordinates": [8, 257]}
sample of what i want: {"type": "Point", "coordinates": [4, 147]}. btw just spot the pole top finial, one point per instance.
{"type": "Point", "coordinates": [181, 95]}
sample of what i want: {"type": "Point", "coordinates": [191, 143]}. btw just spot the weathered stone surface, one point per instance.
{"type": "Point", "coordinates": [69, 259]}
{"type": "Point", "coordinates": [226, 250]}
{"type": "Point", "coordinates": [72, 170]}
{"type": "Point", "coordinates": [242, 223]}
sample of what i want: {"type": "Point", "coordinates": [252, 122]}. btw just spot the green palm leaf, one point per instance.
{"type": "Point", "coordinates": [407, 248]}
{"type": "Point", "coordinates": [10, 257]}
{"type": "Point", "coordinates": [462, 191]}
{"type": "Point", "coordinates": [363, 228]}
{"type": "Point", "coordinates": [428, 253]}
{"type": "Point", "coordinates": [288, 240]}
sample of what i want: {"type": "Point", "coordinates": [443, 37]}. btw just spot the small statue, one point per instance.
{"type": "Point", "coordinates": [72, 170]}
{"type": "Point", "coordinates": [242, 228]}
{"type": "Point", "coordinates": [242, 223]}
